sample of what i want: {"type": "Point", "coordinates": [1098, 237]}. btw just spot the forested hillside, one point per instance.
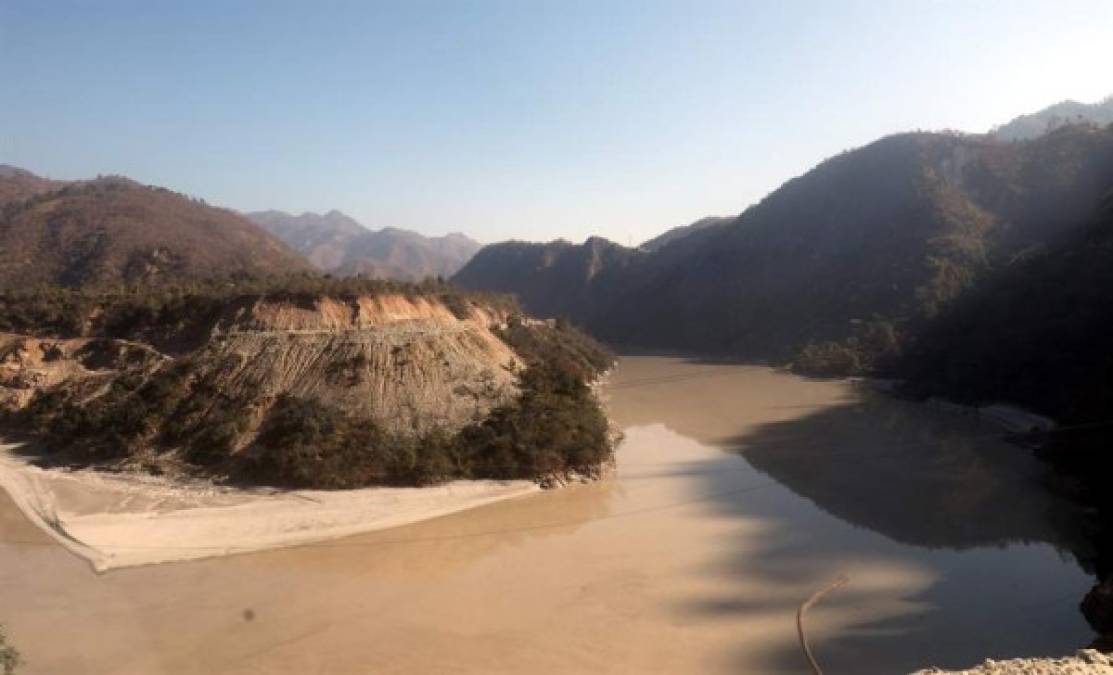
{"type": "Point", "coordinates": [114, 230]}
{"type": "Point", "coordinates": [837, 267]}
{"type": "Point", "coordinates": [1036, 334]}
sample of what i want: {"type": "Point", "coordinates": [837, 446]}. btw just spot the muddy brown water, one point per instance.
{"type": "Point", "coordinates": [739, 491]}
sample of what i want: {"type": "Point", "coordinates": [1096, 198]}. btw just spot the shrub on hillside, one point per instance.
{"type": "Point", "coordinates": [9, 657]}
{"type": "Point", "coordinates": [554, 429]}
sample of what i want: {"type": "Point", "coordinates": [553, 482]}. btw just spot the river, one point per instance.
{"type": "Point", "coordinates": [739, 491]}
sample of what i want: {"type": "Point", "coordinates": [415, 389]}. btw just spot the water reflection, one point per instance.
{"type": "Point", "coordinates": [919, 477]}
{"type": "Point", "coordinates": [929, 484]}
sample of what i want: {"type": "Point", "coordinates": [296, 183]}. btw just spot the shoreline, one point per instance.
{"type": "Point", "coordinates": [115, 521]}
{"type": "Point", "coordinates": [131, 519]}
{"type": "Point", "coordinates": [1009, 417]}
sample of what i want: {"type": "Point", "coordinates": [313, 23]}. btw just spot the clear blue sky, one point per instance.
{"type": "Point", "coordinates": [521, 119]}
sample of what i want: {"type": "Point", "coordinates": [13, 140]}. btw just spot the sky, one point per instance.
{"type": "Point", "coordinates": [524, 119]}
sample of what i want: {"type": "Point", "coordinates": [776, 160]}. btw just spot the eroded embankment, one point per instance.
{"type": "Point", "coordinates": [372, 394]}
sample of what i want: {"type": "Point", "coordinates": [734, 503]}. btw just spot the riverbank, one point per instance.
{"type": "Point", "coordinates": [126, 520]}
{"type": "Point", "coordinates": [1007, 416]}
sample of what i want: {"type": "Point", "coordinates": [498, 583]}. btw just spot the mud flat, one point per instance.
{"type": "Point", "coordinates": [125, 520]}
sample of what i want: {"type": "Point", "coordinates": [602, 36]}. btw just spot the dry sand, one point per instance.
{"type": "Point", "coordinates": [122, 520]}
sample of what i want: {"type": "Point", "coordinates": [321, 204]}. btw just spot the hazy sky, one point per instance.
{"type": "Point", "coordinates": [520, 119]}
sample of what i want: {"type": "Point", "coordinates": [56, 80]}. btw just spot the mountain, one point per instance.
{"type": "Point", "coordinates": [401, 254]}
{"type": "Point", "coordinates": [113, 230]}
{"type": "Point", "coordinates": [337, 243]}
{"type": "Point", "coordinates": [554, 279]}
{"type": "Point", "coordinates": [322, 239]}
{"type": "Point", "coordinates": [1036, 334]}
{"type": "Point", "coordinates": [682, 231]}
{"type": "Point", "coordinates": [17, 184]}
{"type": "Point", "coordinates": [838, 264]}
{"type": "Point", "coordinates": [1055, 116]}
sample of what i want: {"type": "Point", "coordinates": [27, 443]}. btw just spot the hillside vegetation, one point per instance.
{"type": "Point", "coordinates": [1036, 333]}
{"type": "Point", "coordinates": [304, 381]}
{"type": "Point", "coordinates": [18, 184]}
{"type": "Point", "coordinates": [113, 230]}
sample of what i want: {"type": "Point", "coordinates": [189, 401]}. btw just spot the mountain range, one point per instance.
{"type": "Point", "coordinates": [845, 259]}
{"type": "Point", "coordinates": [336, 243]}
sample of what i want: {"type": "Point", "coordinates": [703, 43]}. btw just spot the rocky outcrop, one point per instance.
{"type": "Point", "coordinates": [1085, 662]}
{"type": "Point", "coordinates": [409, 363]}
{"type": "Point", "coordinates": [311, 384]}
{"type": "Point", "coordinates": [29, 365]}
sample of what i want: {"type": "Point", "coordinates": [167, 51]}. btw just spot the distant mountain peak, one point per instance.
{"type": "Point", "coordinates": [337, 243]}
{"type": "Point", "coordinates": [1055, 116]}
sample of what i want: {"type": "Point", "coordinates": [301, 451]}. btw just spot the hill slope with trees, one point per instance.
{"type": "Point", "coordinates": [302, 381]}
{"type": "Point", "coordinates": [836, 267]}
{"type": "Point", "coordinates": [114, 230]}
{"type": "Point", "coordinates": [1036, 334]}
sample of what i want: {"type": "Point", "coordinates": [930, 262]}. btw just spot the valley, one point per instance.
{"type": "Point", "coordinates": [556, 337]}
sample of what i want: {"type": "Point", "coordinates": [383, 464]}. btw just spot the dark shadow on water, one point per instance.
{"type": "Point", "coordinates": [920, 477]}
{"type": "Point", "coordinates": [946, 495]}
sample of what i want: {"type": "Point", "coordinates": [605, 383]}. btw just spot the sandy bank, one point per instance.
{"type": "Point", "coordinates": [1086, 661]}
{"type": "Point", "coordinates": [126, 520]}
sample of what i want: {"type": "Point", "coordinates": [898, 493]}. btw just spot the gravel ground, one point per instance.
{"type": "Point", "coordinates": [1084, 662]}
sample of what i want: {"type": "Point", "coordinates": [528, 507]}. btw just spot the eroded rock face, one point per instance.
{"type": "Point", "coordinates": [409, 363]}
{"type": "Point", "coordinates": [1084, 662]}
{"type": "Point", "coordinates": [29, 365]}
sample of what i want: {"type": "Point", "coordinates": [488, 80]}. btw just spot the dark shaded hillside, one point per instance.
{"type": "Point", "coordinates": [682, 231]}
{"type": "Point", "coordinates": [835, 267]}
{"type": "Point", "coordinates": [884, 234]}
{"type": "Point", "coordinates": [1037, 334]}
{"type": "Point", "coordinates": [113, 230]}
{"type": "Point", "coordinates": [554, 279]}
{"type": "Point", "coordinates": [337, 243]}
